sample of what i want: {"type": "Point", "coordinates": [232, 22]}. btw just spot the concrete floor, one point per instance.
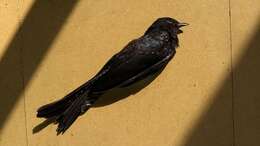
{"type": "Point", "coordinates": [208, 95]}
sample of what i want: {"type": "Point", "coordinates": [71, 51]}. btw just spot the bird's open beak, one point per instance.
{"type": "Point", "coordinates": [182, 24]}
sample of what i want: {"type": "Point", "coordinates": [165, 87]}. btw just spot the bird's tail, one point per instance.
{"type": "Point", "coordinates": [68, 108]}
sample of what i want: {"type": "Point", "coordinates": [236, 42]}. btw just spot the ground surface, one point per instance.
{"type": "Point", "coordinates": [208, 95]}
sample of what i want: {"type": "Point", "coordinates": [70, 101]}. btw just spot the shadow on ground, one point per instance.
{"type": "Point", "coordinates": [45, 20]}
{"type": "Point", "coordinates": [33, 37]}
{"type": "Point", "coordinates": [214, 127]}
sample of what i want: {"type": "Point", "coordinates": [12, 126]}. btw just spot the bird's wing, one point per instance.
{"type": "Point", "coordinates": [137, 59]}
{"type": "Point", "coordinates": [118, 58]}
{"type": "Point", "coordinates": [157, 66]}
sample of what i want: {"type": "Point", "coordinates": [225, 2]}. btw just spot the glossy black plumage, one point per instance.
{"type": "Point", "coordinates": [139, 58]}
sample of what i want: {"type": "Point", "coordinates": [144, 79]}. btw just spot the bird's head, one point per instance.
{"type": "Point", "coordinates": [167, 24]}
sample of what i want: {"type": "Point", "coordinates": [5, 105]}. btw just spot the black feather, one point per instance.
{"type": "Point", "coordinates": [139, 58]}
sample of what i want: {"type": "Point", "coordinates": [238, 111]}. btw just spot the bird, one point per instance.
{"type": "Point", "coordinates": [140, 58]}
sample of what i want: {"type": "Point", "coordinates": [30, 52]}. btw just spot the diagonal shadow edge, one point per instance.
{"type": "Point", "coordinates": [215, 126]}
{"type": "Point", "coordinates": [34, 37]}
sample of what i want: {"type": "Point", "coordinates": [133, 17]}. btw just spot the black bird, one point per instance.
{"type": "Point", "coordinates": [139, 58]}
